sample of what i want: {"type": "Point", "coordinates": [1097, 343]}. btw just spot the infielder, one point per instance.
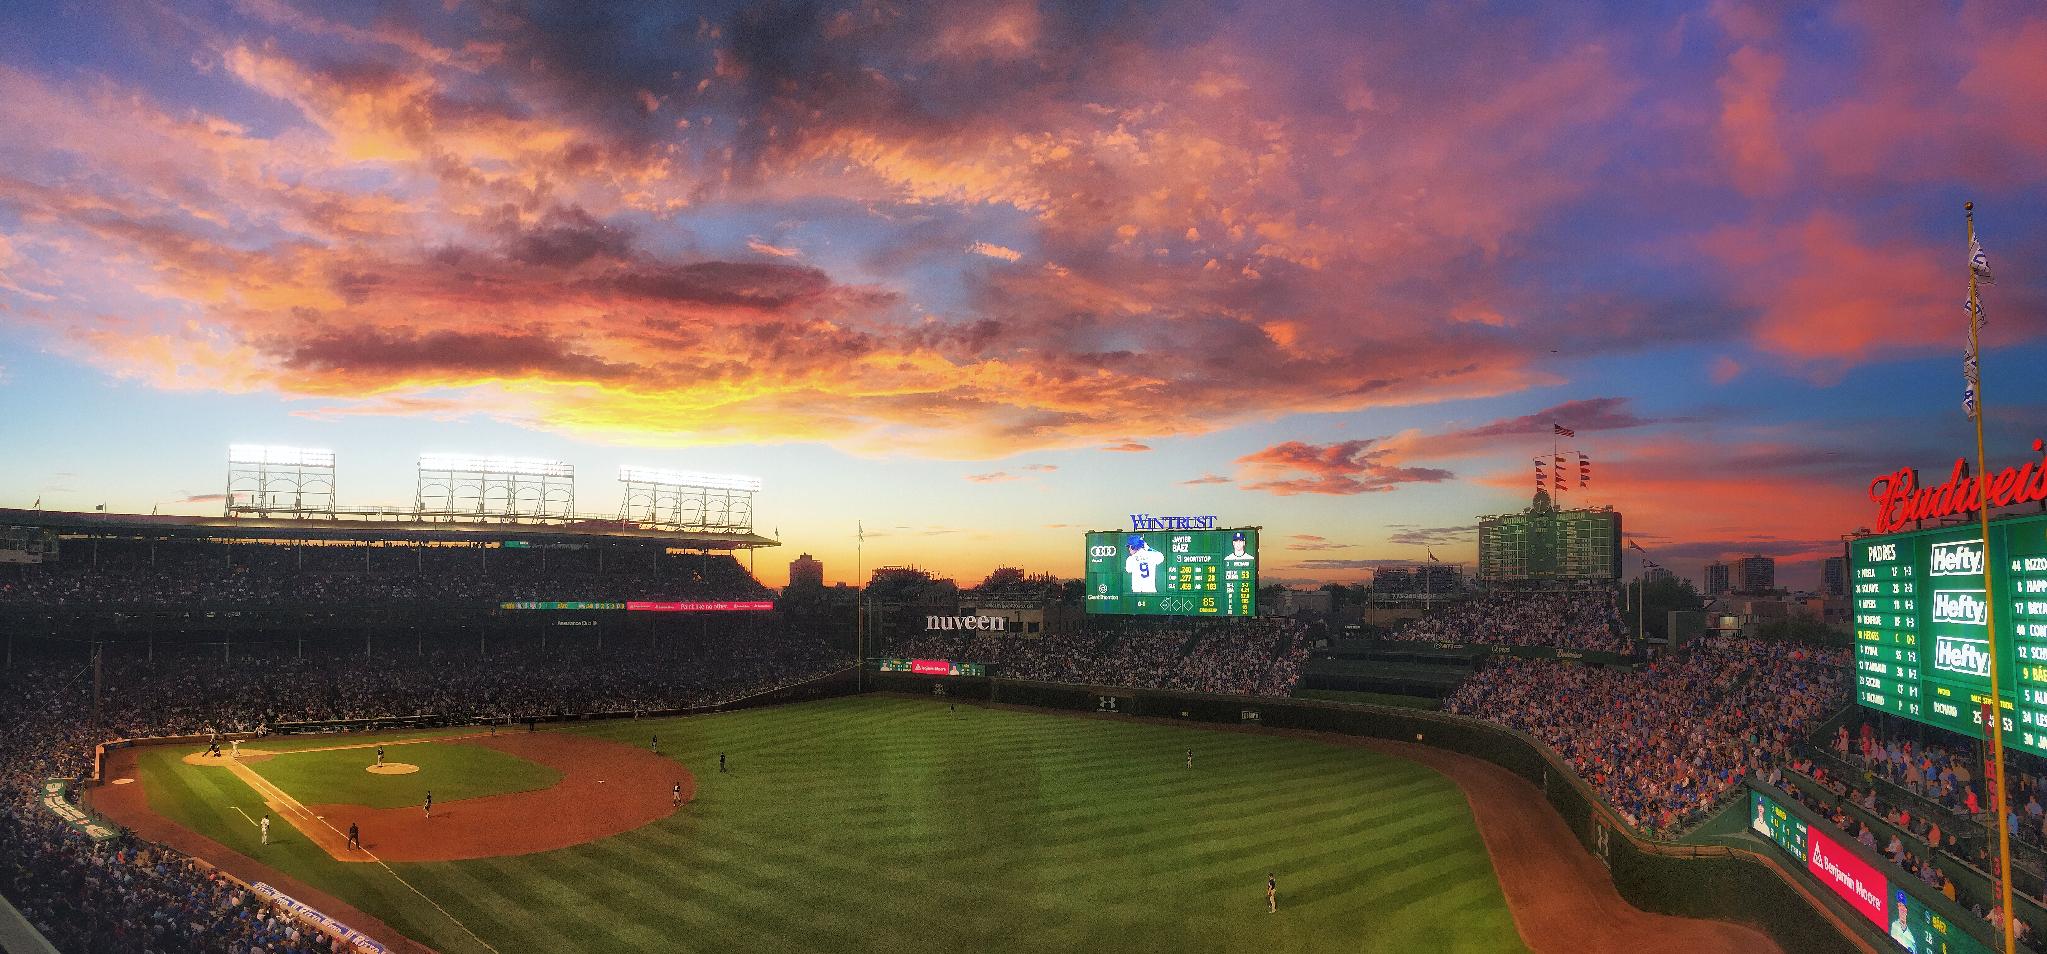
{"type": "Point", "coordinates": [1237, 554]}
{"type": "Point", "coordinates": [380, 756]}
{"type": "Point", "coordinates": [430, 803]}
{"type": "Point", "coordinates": [654, 744]}
{"type": "Point", "coordinates": [675, 795]}
{"type": "Point", "coordinates": [354, 837]}
{"type": "Point", "coordinates": [265, 825]}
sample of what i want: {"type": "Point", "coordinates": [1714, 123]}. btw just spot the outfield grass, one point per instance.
{"type": "Point", "coordinates": [451, 770]}
{"type": "Point", "coordinates": [884, 824]}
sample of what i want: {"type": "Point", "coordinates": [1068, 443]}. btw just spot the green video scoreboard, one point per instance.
{"type": "Point", "coordinates": [1922, 626]}
{"type": "Point", "coordinates": [1173, 572]}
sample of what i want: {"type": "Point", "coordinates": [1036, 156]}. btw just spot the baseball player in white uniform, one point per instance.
{"type": "Point", "coordinates": [1142, 565]}
{"type": "Point", "coordinates": [265, 825]}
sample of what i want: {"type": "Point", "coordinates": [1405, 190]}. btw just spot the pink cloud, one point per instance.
{"type": "Point", "coordinates": [1342, 468]}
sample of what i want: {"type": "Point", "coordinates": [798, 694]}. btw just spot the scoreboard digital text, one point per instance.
{"type": "Point", "coordinates": [1173, 572]}
{"type": "Point", "coordinates": [1922, 618]}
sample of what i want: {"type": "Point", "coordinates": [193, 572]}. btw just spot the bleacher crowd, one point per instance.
{"type": "Point", "coordinates": [1248, 657]}
{"type": "Point", "coordinates": [1665, 743]}
{"type": "Point", "coordinates": [1576, 619]}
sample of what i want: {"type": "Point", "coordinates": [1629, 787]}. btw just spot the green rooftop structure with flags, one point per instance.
{"type": "Point", "coordinates": [1544, 544]}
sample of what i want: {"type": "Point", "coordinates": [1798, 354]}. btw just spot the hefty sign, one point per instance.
{"type": "Point", "coordinates": [1850, 877]}
{"type": "Point", "coordinates": [1961, 607]}
{"type": "Point", "coordinates": [1961, 558]}
{"type": "Point", "coordinates": [1969, 657]}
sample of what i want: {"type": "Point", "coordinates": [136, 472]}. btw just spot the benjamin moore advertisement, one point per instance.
{"type": "Point", "coordinates": [1922, 626]}
{"type": "Point", "coordinates": [1909, 922]}
{"type": "Point", "coordinates": [1173, 572]}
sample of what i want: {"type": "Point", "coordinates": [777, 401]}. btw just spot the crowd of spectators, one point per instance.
{"type": "Point", "coordinates": [1665, 742]}
{"type": "Point", "coordinates": [133, 896]}
{"type": "Point", "coordinates": [1248, 657]}
{"type": "Point", "coordinates": [215, 575]}
{"type": "Point", "coordinates": [127, 895]}
{"type": "Point", "coordinates": [1911, 843]}
{"type": "Point", "coordinates": [1586, 618]}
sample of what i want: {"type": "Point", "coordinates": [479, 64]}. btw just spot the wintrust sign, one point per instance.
{"type": "Point", "coordinates": [1900, 499]}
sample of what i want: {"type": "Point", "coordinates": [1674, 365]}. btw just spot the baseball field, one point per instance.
{"type": "Point", "coordinates": [862, 824]}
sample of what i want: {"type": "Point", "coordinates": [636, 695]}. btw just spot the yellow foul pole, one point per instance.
{"type": "Point", "coordinates": [1990, 604]}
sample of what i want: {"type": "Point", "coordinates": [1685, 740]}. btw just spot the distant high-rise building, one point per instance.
{"type": "Point", "coordinates": [1834, 577]}
{"type": "Point", "coordinates": [1716, 579]}
{"type": "Point", "coordinates": [804, 571]}
{"type": "Point", "coordinates": [1756, 574]}
{"type": "Point", "coordinates": [1657, 574]}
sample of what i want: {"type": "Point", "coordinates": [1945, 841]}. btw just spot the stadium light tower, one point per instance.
{"type": "Point", "coordinates": [469, 486]}
{"type": "Point", "coordinates": [685, 500]}
{"type": "Point", "coordinates": [265, 479]}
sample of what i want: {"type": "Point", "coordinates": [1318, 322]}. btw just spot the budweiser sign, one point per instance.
{"type": "Point", "coordinates": [1900, 499]}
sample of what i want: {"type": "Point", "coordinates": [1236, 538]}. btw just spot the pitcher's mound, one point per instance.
{"type": "Point", "coordinates": [393, 768]}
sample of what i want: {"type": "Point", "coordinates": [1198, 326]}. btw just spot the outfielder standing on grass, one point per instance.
{"type": "Point", "coordinates": [721, 761]}
{"type": "Point", "coordinates": [654, 744]}
{"type": "Point", "coordinates": [1271, 894]}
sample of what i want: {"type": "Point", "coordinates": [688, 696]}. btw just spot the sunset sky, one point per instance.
{"type": "Point", "coordinates": [982, 275]}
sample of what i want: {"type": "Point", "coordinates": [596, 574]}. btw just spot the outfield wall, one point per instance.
{"type": "Point", "coordinates": [1696, 881]}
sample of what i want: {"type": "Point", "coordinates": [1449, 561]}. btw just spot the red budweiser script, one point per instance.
{"type": "Point", "coordinates": [1900, 500]}
{"type": "Point", "coordinates": [655, 607]}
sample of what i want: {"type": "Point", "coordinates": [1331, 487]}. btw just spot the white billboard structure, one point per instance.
{"type": "Point", "coordinates": [684, 500]}
{"type": "Point", "coordinates": [266, 480]}
{"type": "Point", "coordinates": [467, 486]}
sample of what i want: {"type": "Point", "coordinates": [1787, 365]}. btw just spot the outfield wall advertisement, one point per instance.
{"type": "Point", "coordinates": [1911, 923]}
{"type": "Point", "coordinates": [932, 667]}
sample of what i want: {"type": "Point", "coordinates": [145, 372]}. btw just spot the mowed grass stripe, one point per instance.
{"type": "Point", "coordinates": [888, 824]}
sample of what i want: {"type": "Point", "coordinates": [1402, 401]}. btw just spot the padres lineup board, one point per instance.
{"type": "Point", "coordinates": [1921, 626]}
{"type": "Point", "coordinates": [1173, 572]}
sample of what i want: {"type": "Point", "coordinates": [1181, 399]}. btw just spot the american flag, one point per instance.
{"type": "Point", "coordinates": [1562, 431]}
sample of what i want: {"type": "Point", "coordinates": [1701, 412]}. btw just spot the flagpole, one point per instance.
{"type": "Point", "coordinates": [1990, 602]}
{"type": "Point", "coordinates": [860, 607]}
